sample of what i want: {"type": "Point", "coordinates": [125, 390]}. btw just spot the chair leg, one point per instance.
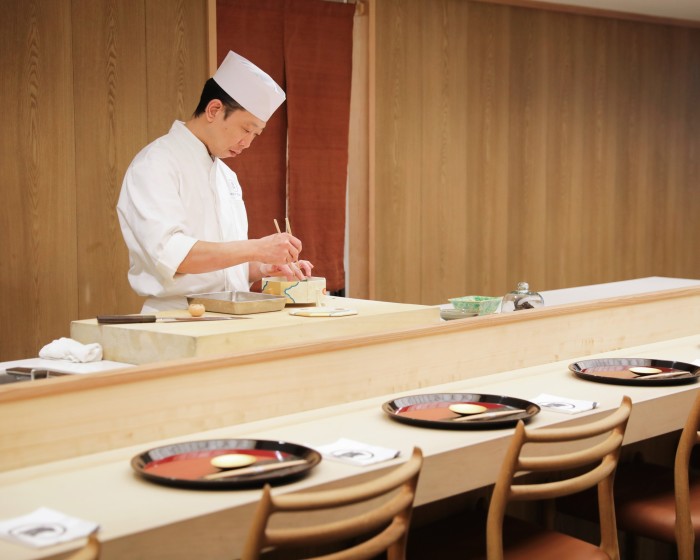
{"type": "Point", "coordinates": [687, 550]}
{"type": "Point", "coordinates": [397, 551]}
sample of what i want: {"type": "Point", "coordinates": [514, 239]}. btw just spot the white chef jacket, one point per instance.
{"type": "Point", "coordinates": [173, 195]}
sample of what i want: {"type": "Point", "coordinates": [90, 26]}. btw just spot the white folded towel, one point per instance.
{"type": "Point", "coordinates": [71, 350]}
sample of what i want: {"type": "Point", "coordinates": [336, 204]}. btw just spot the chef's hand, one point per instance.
{"type": "Point", "coordinates": [279, 249]}
{"type": "Point", "coordinates": [299, 270]}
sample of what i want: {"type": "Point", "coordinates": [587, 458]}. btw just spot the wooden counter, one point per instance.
{"type": "Point", "coordinates": [150, 343]}
{"type": "Point", "coordinates": [64, 417]}
{"type": "Point", "coordinates": [157, 342]}
{"type": "Point", "coordinates": [141, 520]}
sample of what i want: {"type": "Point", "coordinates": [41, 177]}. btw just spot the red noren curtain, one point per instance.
{"type": "Point", "coordinates": [306, 46]}
{"type": "Point", "coordinates": [255, 30]}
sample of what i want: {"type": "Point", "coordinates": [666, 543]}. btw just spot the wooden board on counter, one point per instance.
{"type": "Point", "coordinates": [157, 342]}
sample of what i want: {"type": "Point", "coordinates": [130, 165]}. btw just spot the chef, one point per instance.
{"type": "Point", "coordinates": [181, 208]}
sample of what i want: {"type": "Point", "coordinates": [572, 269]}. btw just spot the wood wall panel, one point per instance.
{"type": "Point", "coordinates": [486, 152]}
{"type": "Point", "coordinates": [358, 238]}
{"type": "Point", "coordinates": [86, 84]}
{"type": "Point", "coordinates": [399, 163]}
{"type": "Point", "coordinates": [444, 134]}
{"type": "Point", "coordinates": [601, 191]}
{"type": "Point", "coordinates": [570, 157]}
{"type": "Point", "coordinates": [110, 69]}
{"type": "Point", "coordinates": [177, 60]}
{"type": "Point", "coordinates": [38, 276]}
{"type": "Point", "coordinates": [523, 208]}
{"type": "Point", "coordinates": [565, 143]}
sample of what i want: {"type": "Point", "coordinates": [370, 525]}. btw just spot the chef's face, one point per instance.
{"type": "Point", "coordinates": [233, 133]}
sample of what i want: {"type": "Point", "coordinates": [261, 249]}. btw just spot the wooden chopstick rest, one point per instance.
{"type": "Point", "coordinates": [487, 415]}
{"type": "Point", "coordinates": [255, 469]}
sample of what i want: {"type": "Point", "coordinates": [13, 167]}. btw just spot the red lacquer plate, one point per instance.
{"type": "Point", "coordinates": [635, 371]}
{"type": "Point", "coordinates": [432, 410]}
{"type": "Point", "coordinates": [188, 464]}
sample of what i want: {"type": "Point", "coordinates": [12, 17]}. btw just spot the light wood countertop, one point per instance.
{"type": "Point", "coordinates": [143, 520]}
{"type": "Point", "coordinates": [70, 416]}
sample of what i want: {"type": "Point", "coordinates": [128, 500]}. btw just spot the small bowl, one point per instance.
{"type": "Point", "coordinates": [480, 305]}
{"type": "Point", "coordinates": [451, 313]}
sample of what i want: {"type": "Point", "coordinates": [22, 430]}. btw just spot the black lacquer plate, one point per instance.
{"type": "Point", "coordinates": [432, 410]}
{"type": "Point", "coordinates": [186, 465]}
{"type": "Point", "coordinates": [617, 371]}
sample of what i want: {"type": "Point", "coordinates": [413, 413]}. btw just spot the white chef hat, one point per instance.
{"type": "Point", "coordinates": [252, 88]}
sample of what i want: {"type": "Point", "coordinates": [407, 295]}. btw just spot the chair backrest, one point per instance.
{"type": "Point", "coordinates": [690, 436]}
{"type": "Point", "coordinates": [381, 526]}
{"type": "Point", "coordinates": [575, 471]}
{"type": "Point", "coordinates": [91, 550]}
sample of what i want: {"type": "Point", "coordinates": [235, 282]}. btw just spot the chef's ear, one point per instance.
{"type": "Point", "coordinates": [213, 108]}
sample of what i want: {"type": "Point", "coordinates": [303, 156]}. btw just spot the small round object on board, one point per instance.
{"type": "Point", "coordinates": [196, 309]}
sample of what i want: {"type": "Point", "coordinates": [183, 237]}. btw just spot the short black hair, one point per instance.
{"type": "Point", "coordinates": [212, 90]}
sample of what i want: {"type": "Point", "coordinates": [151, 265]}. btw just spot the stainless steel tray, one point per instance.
{"type": "Point", "coordinates": [238, 303]}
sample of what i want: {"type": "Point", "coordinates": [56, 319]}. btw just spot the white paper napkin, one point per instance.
{"type": "Point", "coordinates": [356, 453]}
{"type": "Point", "coordinates": [71, 350]}
{"type": "Point", "coordinates": [45, 527]}
{"type": "Point", "coordinates": [564, 405]}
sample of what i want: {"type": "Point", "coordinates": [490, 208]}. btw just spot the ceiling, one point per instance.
{"type": "Point", "coordinates": [673, 9]}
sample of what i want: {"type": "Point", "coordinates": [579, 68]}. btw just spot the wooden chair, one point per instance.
{"type": "Point", "coordinates": [380, 527]}
{"type": "Point", "coordinates": [658, 502]}
{"type": "Point", "coordinates": [91, 550]}
{"type": "Point", "coordinates": [507, 537]}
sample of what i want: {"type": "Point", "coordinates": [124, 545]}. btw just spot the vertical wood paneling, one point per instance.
{"type": "Point", "coordinates": [685, 147]}
{"type": "Point", "coordinates": [524, 208]}
{"type": "Point", "coordinates": [633, 138]}
{"type": "Point", "coordinates": [38, 277]}
{"type": "Point", "coordinates": [358, 236]}
{"type": "Point", "coordinates": [443, 191]}
{"type": "Point", "coordinates": [677, 148]}
{"type": "Point", "coordinates": [601, 256]}
{"type": "Point", "coordinates": [110, 78]}
{"type": "Point", "coordinates": [565, 141]}
{"type": "Point", "coordinates": [656, 198]}
{"type": "Point", "coordinates": [80, 102]}
{"type": "Point", "coordinates": [485, 244]}
{"type": "Point", "coordinates": [177, 60]}
{"type": "Point", "coordinates": [399, 162]}
{"type": "Point", "coordinates": [691, 143]}
{"type": "Point", "coordinates": [580, 149]}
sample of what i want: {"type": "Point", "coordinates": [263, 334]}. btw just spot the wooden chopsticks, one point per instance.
{"type": "Point", "coordinates": [287, 229]}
